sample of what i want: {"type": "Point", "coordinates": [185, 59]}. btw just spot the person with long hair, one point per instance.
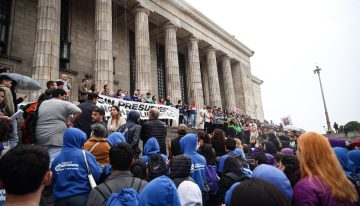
{"type": "Point", "coordinates": [218, 142]}
{"type": "Point", "coordinates": [323, 182]}
{"type": "Point", "coordinates": [116, 120]}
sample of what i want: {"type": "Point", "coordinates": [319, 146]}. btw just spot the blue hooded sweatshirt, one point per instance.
{"type": "Point", "coordinates": [160, 191]}
{"type": "Point", "coordinates": [355, 158]}
{"type": "Point", "coordinates": [274, 176]}
{"type": "Point", "coordinates": [151, 148]}
{"type": "Point", "coordinates": [188, 145]}
{"type": "Point", "coordinates": [229, 193]}
{"type": "Point", "coordinates": [345, 162]}
{"type": "Point", "coordinates": [222, 159]}
{"type": "Point", "coordinates": [69, 168]}
{"type": "Point", "coordinates": [115, 137]}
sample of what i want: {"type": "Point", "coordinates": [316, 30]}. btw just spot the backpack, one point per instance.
{"type": "Point", "coordinates": [124, 197]}
{"type": "Point", "coordinates": [156, 166]}
{"type": "Point", "coordinates": [28, 128]}
{"type": "Point", "coordinates": [211, 178]}
{"type": "Point", "coordinates": [234, 177]}
{"type": "Point", "coordinates": [124, 130]}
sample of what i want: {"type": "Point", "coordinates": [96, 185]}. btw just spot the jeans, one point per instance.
{"type": "Point", "coordinates": [193, 119]}
{"type": "Point", "coordinates": [185, 119]}
{"type": "Point", "coordinates": [53, 151]}
{"type": "Point", "coordinates": [77, 200]}
{"type": "Point", "coordinates": [14, 135]}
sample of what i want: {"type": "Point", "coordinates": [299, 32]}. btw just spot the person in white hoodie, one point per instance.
{"type": "Point", "coordinates": [189, 194]}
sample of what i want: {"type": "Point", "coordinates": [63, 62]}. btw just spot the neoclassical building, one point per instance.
{"type": "Point", "coordinates": [166, 47]}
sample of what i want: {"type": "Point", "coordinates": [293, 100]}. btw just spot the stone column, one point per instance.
{"type": "Point", "coordinates": [103, 43]}
{"type": "Point", "coordinates": [214, 88]}
{"type": "Point", "coordinates": [47, 43]}
{"type": "Point", "coordinates": [172, 64]}
{"type": "Point", "coordinates": [228, 84]}
{"type": "Point", "coordinates": [205, 80]}
{"type": "Point", "coordinates": [238, 87]}
{"type": "Point", "coordinates": [142, 50]}
{"type": "Point", "coordinates": [195, 84]}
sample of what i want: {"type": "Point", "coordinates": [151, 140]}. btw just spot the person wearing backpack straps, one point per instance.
{"type": "Point", "coordinates": [121, 158]}
{"type": "Point", "coordinates": [231, 174]}
{"type": "Point", "coordinates": [155, 161]}
{"type": "Point", "coordinates": [189, 192]}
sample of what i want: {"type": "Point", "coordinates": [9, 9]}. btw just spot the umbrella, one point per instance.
{"type": "Point", "coordinates": [23, 82]}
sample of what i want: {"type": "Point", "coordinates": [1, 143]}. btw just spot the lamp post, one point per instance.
{"type": "Point", "coordinates": [329, 129]}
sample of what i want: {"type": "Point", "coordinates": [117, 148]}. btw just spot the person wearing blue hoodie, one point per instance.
{"type": "Point", "coordinates": [274, 176]}
{"type": "Point", "coordinates": [188, 144]}
{"type": "Point", "coordinates": [344, 160]}
{"type": "Point", "coordinates": [71, 185]}
{"type": "Point", "coordinates": [152, 148]}
{"type": "Point", "coordinates": [160, 191]}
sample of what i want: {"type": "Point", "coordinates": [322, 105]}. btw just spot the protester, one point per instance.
{"type": "Point", "coordinates": [52, 122]}
{"type": "Point", "coordinates": [116, 120]}
{"type": "Point", "coordinates": [98, 144]}
{"type": "Point", "coordinates": [152, 154]}
{"type": "Point", "coordinates": [120, 94]}
{"type": "Point", "coordinates": [148, 98]}
{"type": "Point", "coordinates": [136, 97]}
{"type": "Point", "coordinates": [94, 89]}
{"type": "Point", "coordinates": [344, 160]}
{"type": "Point", "coordinates": [180, 168]}
{"type": "Point", "coordinates": [98, 115]}
{"type": "Point", "coordinates": [274, 176]}
{"type": "Point", "coordinates": [84, 121]}
{"type": "Point", "coordinates": [290, 165]}
{"type": "Point", "coordinates": [160, 191]}
{"type": "Point", "coordinates": [127, 97]}
{"type": "Point", "coordinates": [190, 194]}
{"type": "Point", "coordinates": [2, 104]}
{"type": "Point", "coordinates": [354, 156]}
{"type": "Point", "coordinates": [231, 174]}
{"type": "Point", "coordinates": [51, 86]}
{"type": "Point", "coordinates": [83, 91]}
{"type": "Point", "coordinates": [121, 158]}
{"type": "Point", "coordinates": [179, 106]}
{"type": "Point", "coordinates": [67, 87]}
{"type": "Point", "coordinates": [255, 192]}
{"type": "Point", "coordinates": [260, 158]}
{"type": "Point", "coordinates": [323, 181]}
{"type": "Point", "coordinates": [107, 91]}
{"type": "Point", "coordinates": [174, 146]}
{"type": "Point", "coordinates": [24, 172]}
{"type": "Point", "coordinates": [155, 128]}
{"type": "Point", "coordinates": [9, 108]}
{"type": "Point", "coordinates": [70, 169]}
{"type": "Point", "coordinates": [218, 142]}
{"type": "Point", "coordinates": [188, 144]}
{"type": "Point", "coordinates": [138, 169]}
{"type": "Point", "coordinates": [193, 113]}
{"type": "Point", "coordinates": [132, 131]}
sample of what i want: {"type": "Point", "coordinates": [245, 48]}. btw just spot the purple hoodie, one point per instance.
{"type": "Point", "coordinates": [313, 193]}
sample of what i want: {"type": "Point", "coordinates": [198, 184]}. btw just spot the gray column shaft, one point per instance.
{"type": "Point", "coordinates": [228, 85]}
{"type": "Point", "coordinates": [214, 88]}
{"type": "Point", "coordinates": [103, 43]}
{"type": "Point", "coordinates": [142, 50]}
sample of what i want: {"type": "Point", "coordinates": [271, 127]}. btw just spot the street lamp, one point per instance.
{"type": "Point", "coordinates": [329, 129]}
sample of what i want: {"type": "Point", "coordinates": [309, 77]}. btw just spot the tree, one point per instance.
{"type": "Point", "coordinates": [353, 126]}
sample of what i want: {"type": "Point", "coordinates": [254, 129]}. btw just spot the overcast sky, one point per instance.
{"type": "Point", "coordinates": [289, 38]}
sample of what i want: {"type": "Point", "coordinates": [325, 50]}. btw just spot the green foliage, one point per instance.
{"type": "Point", "coordinates": [341, 128]}
{"type": "Point", "coordinates": [352, 126]}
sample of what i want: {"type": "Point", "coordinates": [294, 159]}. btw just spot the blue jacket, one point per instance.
{"type": "Point", "coordinates": [345, 162]}
{"type": "Point", "coordinates": [116, 137]}
{"type": "Point", "coordinates": [222, 159]}
{"type": "Point", "coordinates": [188, 145]}
{"type": "Point", "coordinates": [355, 158]}
{"type": "Point", "coordinates": [274, 176]}
{"type": "Point", "coordinates": [151, 148]}
{"type": "Point", "coordinates": [229, 194]}
{"type": "Point", "coordinates": [69, 168]}
{"type": "Point", "coordinates": [160, 191]}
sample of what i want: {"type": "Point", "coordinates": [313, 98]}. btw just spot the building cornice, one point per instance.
{"type": "Point", "coordinates": [208, 23]}
{"type": "Point", "coordinates": [257, 80]}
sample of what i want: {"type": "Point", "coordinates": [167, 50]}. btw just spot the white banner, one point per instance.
{"type": "Point", "coordinates": [166, 112]}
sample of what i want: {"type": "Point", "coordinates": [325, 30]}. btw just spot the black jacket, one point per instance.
{"type": "Point", "coordinates": [133, 133]}
{"type": "Point", "coordinates": [180, 169]}
{"type": "Point", "coordinates": [84, 122]}
{"type": "Point", "coordinates": [155, 128]}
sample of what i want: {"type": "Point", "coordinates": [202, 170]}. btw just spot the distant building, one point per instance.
{"type": "Point", "coordinates": [163, 46]}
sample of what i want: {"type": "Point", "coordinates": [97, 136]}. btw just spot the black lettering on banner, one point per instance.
{"type": "Point", "coordinates": [127, 106]}
{"type": "Point", "coordinates": [100, 100]}
{"type": "Point", "coordinates": [121, 104]}
{"type": "Point", "coordinates": [141, 107]}
{"type": "Point", "coordinates": [134, 106]}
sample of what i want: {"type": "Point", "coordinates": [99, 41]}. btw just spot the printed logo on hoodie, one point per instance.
{"type": "Point", "coordinates": [66, 166]}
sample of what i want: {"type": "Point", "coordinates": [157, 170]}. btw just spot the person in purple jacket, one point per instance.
{"type": "Point", "coordinates": [323, 180]}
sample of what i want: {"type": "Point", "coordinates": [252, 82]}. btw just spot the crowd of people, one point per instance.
{"type": "Point", "coordinates": [70, 155]}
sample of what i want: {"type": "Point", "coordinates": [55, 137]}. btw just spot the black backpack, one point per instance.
{"type": "Point", "coordinates": [356, 182]}
{"type": "Point", "coordinates": [156, 167]}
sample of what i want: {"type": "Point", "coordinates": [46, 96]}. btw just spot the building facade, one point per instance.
{"type": "Point", "coordinates": [166, 47]}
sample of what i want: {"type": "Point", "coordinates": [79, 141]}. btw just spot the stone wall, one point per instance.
{"type": "Point", "coordinates": [257, 99]}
